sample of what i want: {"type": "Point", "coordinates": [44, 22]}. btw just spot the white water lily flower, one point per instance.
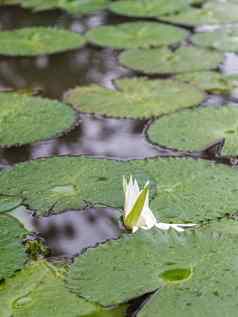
{"type": "Point", "coordinates": [137, 213]}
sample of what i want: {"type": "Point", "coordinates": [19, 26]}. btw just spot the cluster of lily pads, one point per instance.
{"type": "Point", "coordinates": [188, 273]}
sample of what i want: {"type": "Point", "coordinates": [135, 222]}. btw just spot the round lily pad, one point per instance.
{"type": "Point", "coordinates": [213, 12]}
{"type": "Point", "coordinates": [137, 97]}
{"type": "Point", "coordinates": [148, 8]}
{"type": "Point", "coordinates": [38, 290]}
{"type": "Point", "coordinates": [8, 203]}
{"type": "Point", "coordinates": [211, 82]}
{"type": "Point", "coordinates": [225, 39]}
{"type": "Point", "coordinates": [72, 6]}
{"type": "Point", "coordinates": [164, 61]}
{"type": "Point", "coordinates": [162, 259]}
{"type": "Point", "coordinates": [136, 34]}
{"type": "Point", "coordinates": [24, 119]}
{"type": "Point", "coordinates": [38, 40]}
{"type": "Point", "coordinates": [12, 252]}
{"type": "Point", "coordinates": [194, 130]}
{"type": "Point", "coordinates": [186, 190]}
{"type": "Point", "coordinates": [211, 289]}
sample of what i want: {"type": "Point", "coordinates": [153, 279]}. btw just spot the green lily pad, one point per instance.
{"type": "Point", "coordinates": [222, 39]}
{"type": "Point", "coordinates": [161, 259]}
{"type": "Point", "coordinates": [148, 8]}
{"type": "Point", "coordinates": [24, 119]}
{"type": "Point", "coordinates": [186, 190]}
{"type": "Point", "coordinates": [8, 2]}
{"type": "Point", "coordinates": [137, 97]}
{"type": "Point", "coordinates": [196, 129]}
{"type": "Point", "coordinates": [213, 12]}
{"type": "Point", "coordinates": [12, 252]}
{"type": "Point", "coordinates": [72, 6]}
{"type": "Point", "coordinates": [115, 262]}
{"type": "Point", "coordinates": [38, 290]}
{"type": "Point", "coordinates": [211, 82]}
{"type": "Point", "coordinates": [8, 203]}
{"type": "Point", "coordinates": [136, 34]}
{"type": "Point", "coordinates": [164, 61]}
{"type": "Point", "coordinates": [211, 290]}
{"type": "Point", "coordinates": [38, 40]}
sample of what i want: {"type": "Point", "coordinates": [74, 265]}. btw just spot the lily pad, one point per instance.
{"type": "Point", "coordinates": [148, 8]}
{"type": "Point", "coordinates": [225, 39]}
{"type": "Point", "coordinates": [8, 203]}
{"type": "Point", "coordinates": [162, 258]}
{"type": "Point", "coordinates": [72, 6]}
{"type": "Point", "coordinates": [115, 263]}
{"type": "Point", "coordinates": [24, 119]}
{"type": "Point", "coordinates": [12, 252]}
{"type": "Point", "coordinates": [38, 40]}
{"type": "Point", "coordinates": [186, 190]}
{"type": "Point", "coordinates": [136, 34]}
{"type": "Point", "coordinates": [137, 97]}
{"type": "Point", "coordinates": [211, 290]}
{"type": "Point", "coordinates": [213, 12]}
{"type": "Point", "coordinates": [8, 2]}
{"type": "Point", "coordinates": [164, 61]}
{"type": "Point", "coordinates": [38, 290]}
{"type": "Point", "coordinates": [211, 82]}
{"type": "Point", "coordinates": [196, 129]}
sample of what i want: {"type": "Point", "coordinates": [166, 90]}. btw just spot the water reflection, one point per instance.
{"type": "Point", "coordinates": [55, 74]}
{"type": "Point", "coordinates": [68, 233]}
{"type": "Point", "coordinates": [96, 136]}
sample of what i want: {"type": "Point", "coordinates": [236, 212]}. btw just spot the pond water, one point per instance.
{"type": "Point", "coordinates": [69, 233]}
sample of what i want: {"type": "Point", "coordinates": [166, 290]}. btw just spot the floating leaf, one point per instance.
{"type": "Point", "coordinates": [136, 34]}
{"type": "Point", "coordinates": [72, 6]}
{"type": "Point", "coordinates": [186, 190]}
{"type": "Point", "coordinates": [225, 39]}
{"type": "Point", "coordinates": [212, 82]}
{"type": "Point", "coordinates": [213, 12]}
{"type": "Point", "coordinates": [24, 119]}
{"type": "Point", "coordinates": [8, 203]}
{"type": "Point", "coordinates": [137, 97]}
{"type": "Point", "coordinates": [196, 129]}
{"type": "Point", "coordinates": [210, 291]}
{"type": "Point", "coordinates": [161, 259]}
{"type": "Point", "coordinates": [8, 2]}
{"type": "Point", "coordinates": [164, 61]}
{"type": "Point", "coordinates": [12, 255]}
{"type": "Point", "coordinates": [38, 290]}
{"type": "Point", "coordinates": [38, 40]}
{"type": "Point", "coordinates": [148, 8]}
